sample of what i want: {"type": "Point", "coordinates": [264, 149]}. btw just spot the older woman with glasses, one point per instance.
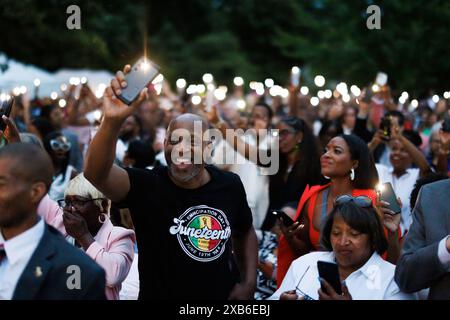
{"type": "Point", "coordinates": [354, 240]}
{"type": "Point", "coordinates": [83, 218]}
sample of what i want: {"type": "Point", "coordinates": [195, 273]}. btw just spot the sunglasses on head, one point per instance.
{"type": "Point", "coordinates": [58, 145]}
{"type": "Point", "coordinates": [360, 201]}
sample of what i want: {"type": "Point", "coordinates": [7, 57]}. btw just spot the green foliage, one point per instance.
{"type": "Point", "coordinates": [254, 39]}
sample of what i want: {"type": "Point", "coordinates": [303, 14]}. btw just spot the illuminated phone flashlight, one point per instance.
{"type": "Point", "coordinates": [295, 76]}
{"type": "Point", "coordinates": [304, 90]}
{"type": "Point", "coordinates": [355, 90]}
{"type": "Point", "coordinates": [4, 97]}
{"type": "Point", "coordinates": [269, 83]}
{"type": "Point", "coordinates": [207, 78]}
{"type": "Point", "coordinates": [375, 88]}
{"type": "Point", "coordinates": [145, 65]}
{"type": "Point", "coordinates": [238, 81]}
{"type": "Point", "coordinates": [241, 105]}
{"type": "Point", "coordinates": [319, 80]}
{"type": "Point", "coordinates": [62, 103]}
{"type": "Point", "coordinates": [196, 100]}
{"type": "Point", "coordinates": [379, 188]}
{"type": "Point", "coordinates": [181, 83]}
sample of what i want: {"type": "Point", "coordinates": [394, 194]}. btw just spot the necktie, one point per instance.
{"type": "Point", "coordinates": [2, 252]}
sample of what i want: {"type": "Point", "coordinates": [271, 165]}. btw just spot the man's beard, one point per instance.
{"type": "Point", "coordinates": [185, 177]}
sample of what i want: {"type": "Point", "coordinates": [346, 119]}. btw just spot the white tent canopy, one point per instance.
{"type": "Point", "coordinates": [19, 74]}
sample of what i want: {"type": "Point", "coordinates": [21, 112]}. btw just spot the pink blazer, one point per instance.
{"type": "Point", "coordinates": [113, 248]}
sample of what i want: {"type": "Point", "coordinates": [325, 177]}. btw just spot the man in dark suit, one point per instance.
{"type": "Point", "coordinates": [36, 262]}
{"type": "Point", "coordinates": [425, 259]}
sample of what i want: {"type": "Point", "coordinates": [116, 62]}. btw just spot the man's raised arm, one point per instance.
{"type": "Point", "coordinates": [99, 169]}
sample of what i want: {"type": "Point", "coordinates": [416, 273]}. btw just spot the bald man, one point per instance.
{"type": "Point", "coordinates": [193, 224]}
{"type": "Point", "coordinates": [35, 260]}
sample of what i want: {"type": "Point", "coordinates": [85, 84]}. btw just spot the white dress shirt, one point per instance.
{"type": "Point", "coordinates": [18, 253]}
{"type": "Point", "coordinates": [443, 254]}
{"type": "Point", "coordinates": [373, 281]}
{"type": "Point", "coordinates": [403, 186]}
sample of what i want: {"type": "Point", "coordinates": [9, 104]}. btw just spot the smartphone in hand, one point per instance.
{"type": "Point", "coordinates": [387, 194]}
{"type": "Point", "coordinates": [141, 74]}
{"type": "Point", "coordinates": [5, 109]}
{"type": "Point", "coordinates": [385, 126]}
{"type": "Point", "coordinates": [368, 95]}
{"type": "Point", "coordinates": [330, 272]}
{"type": "Point", "coordinates": [287, 221]}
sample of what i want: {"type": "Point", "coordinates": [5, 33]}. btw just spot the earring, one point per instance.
{"type": "Point", "coordinates": [105, 216]}
{"type": "Point", "coordinates": [326, 177]}
{"type": "Point", "coordinates": [352, 174]}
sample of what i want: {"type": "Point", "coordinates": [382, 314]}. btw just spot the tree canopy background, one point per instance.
{"type": "Point", "coordinates": [254, 39]}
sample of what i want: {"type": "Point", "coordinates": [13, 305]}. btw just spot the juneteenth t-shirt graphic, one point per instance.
{"type": "Point", "coordinates": [202, 232]}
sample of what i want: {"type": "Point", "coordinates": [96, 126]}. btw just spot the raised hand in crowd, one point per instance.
{"type": "Point", "coordinates": [114, 110]}
{"type": "Point", "coordinates": [11, 133]}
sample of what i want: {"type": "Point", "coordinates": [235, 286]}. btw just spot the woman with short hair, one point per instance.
{"type": "Point", "coordinates": [354, 239]}
{"type": "Point", "coordinates": [83, 218]}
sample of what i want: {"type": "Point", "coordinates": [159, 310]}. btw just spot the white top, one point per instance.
{"type": "Point", "coordinates": [121, 149]}
{"type": "Point", "coordinates": [403, 186]}
{"type": "Point", "coordinates": [373, 281]}
{"type": "Point", "coordinates": [130, 286]}
{"type": "Point", "coordinates": [256, 183]}
{"type": "Point", "coordinates": [18, 253]}
{"type": "Point", "coordinates": [443, 254]}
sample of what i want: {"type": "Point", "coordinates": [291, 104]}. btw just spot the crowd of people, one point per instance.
{"type": "Point", "coordinates": [99, 199]}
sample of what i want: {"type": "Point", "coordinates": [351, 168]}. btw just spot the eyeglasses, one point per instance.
{"type": "Point", "coordinates": [63, 203]}
{"type": "Point", "coordinates": [360, 201]}
{"type": "Point", "coordinates": [299, 291]}
{"type": "Point", "coordinates": [58, 145]}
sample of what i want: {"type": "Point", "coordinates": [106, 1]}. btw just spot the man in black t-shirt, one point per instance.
{"type": "Point", "coordinates": [193, 224]}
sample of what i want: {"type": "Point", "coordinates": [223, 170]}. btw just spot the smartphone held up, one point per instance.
{"type": "Point", "coordinates": [139, 77]}
{"type": "Point", "coordinates": [386, 193]}
{"type": "Point", "coordinates": [5, 110]}
{"type": "Point", "coordinates": [287, 221]}
{"type": "Point", "coordinates": [329, 271]}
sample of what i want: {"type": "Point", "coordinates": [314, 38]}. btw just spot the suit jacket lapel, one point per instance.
{"type": "Point", "coordinates": [36, 270]}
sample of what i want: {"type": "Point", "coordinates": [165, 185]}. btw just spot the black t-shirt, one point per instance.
{"type": "Point", "coordinates": [184, 235]}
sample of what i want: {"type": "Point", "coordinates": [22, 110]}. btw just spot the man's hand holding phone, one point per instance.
{"type": "Point", "coordinates": [114, 110]}
{"type": "Point", "coordinates": [11, 132]}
